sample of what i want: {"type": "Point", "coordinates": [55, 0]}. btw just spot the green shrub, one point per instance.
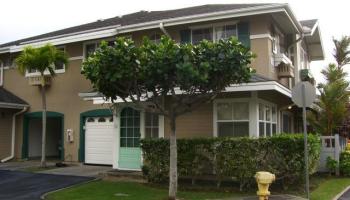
{"type": "Point", "coordinates": [344, 163]}
{"type": "Point", "coordinates": [331, 164]}
{"type": "Point", "coordinates": [237, 158]}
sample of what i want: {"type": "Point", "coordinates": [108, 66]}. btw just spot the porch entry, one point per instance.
{"type": "Point", "coordinates": [32, 134]}
{"type": "Point", "coordinates": [130, 134]}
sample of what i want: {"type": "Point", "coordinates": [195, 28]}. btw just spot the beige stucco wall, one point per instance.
{"type": "Point", "coordinates": [62, 97]}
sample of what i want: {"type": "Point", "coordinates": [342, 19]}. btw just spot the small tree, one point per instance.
{"type": "Point", "coordinates": [44, 60]}
{"type": "Point", "coordinates": [331, 109]}
{"type": "Point", "coordinates": [172, 78]}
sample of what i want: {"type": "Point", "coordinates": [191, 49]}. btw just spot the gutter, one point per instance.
{"type": "Point", "coordinates": [12, 105]}
{"type": "Point", "coordinates": [1, 74]}
{"type": "Point", "coordinates": [14, 135]}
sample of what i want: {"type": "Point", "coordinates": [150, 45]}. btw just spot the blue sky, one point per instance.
{"type": "Point", "coordinates": [20, 19]}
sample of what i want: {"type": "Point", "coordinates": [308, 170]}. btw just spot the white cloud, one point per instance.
{"type": "Point", "coordinates": [20, 19]}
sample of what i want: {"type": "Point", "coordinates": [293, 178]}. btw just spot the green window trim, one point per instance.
{"type": "Point", "coordinates": [83, 116]}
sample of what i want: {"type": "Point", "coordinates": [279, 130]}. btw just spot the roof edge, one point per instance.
{"type": "Point", "coordinates": [98, 33]}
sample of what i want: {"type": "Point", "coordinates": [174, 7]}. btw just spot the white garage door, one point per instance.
{"type": "Point", "coordinates": [99, 133]}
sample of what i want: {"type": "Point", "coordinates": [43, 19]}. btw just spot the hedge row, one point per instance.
{"type": "Point", "coordinates": [238, 158]}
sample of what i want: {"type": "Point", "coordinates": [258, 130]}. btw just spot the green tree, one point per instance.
{"type": "Point", "coordinates": [341, 51]}
{"type": "Point", "coordinates": [43, 60]}
{"type": "Point", "coordinates": [185, 75]}
{"type": "Point", "coordinates": [331, 109]}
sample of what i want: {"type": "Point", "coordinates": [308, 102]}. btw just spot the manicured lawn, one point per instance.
{"type": "Point", "coordinates": [322, 188]}
{"type": "Point", "coordinates": [108, 190]}
{"type": "Point", "coordinates": [329, 188]}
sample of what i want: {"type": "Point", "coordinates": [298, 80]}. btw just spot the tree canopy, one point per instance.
{"type": "Point", "coordinates": [173, 78]}
{"type": "Point", "coordinates": [332, 105]}
{"type": "Point", "coordinates": [151, 70]}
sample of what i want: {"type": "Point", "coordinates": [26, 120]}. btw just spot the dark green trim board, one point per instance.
{"type": "Point", "coordinates": [185, 36]}
{"type": "Point", "coordinates": [35, 115]}
{"type": "Point", "coordinates": [83, 116]}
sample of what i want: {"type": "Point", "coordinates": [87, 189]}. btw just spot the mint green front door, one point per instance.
{"type": "Point", "coordinates": [129, 150]}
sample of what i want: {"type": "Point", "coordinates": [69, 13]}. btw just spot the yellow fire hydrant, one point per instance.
{"type": "Point", "coordinates": [264, 179]}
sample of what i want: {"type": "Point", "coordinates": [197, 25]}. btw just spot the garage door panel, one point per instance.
{"type": "Point", "coordinates": [98, 142]}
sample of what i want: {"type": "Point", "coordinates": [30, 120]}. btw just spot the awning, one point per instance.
{"type": "Point", "coordinates": [9, 100]}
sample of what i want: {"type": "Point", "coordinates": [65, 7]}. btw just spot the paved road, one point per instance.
{"type": "Point", "coordinates": [16, 185]}
{"type": "Point", "coordinates": [345, 196]}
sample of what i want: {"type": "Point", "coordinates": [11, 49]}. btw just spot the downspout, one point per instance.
{"type": "Point", "coordinates": [161, 26]}
{"type": "Point", "coordinates": [295, 42]}
{"type": "Point", "coordinates": [13, 135]}
{"type": "Point", "coordinates": [1, 74]}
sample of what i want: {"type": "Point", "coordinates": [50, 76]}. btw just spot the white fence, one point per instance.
{"type": "Point", "coordinates": [331, 146]}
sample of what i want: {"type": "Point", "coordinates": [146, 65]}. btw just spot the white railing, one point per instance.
{"type": "Point", "coordinates": [331, 146]}
{"type": "Point", "coordinates": [281, 57]}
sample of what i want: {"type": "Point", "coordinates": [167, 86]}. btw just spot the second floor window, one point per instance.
{"type": "Point", "coordinates": [202, 34]}
{"type": "Point", "coordinates": [214, 33]}
{"type": "Point", "coordinates": [59, 66]}
{"type": "Point", "coordinates": [155, 38]}
{"type": "Point", "coordinates": [225, 32]}
{"type": "Point", "coordinates": [90, 49]}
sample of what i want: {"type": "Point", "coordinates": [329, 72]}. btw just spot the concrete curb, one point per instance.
{"type": "Point", "coordinates": [341, 193]}
{"type": "Point", "coordinates": [43, 197]}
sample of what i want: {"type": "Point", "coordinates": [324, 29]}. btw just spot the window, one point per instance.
{"type": "Point", "coordinates": [101, 119]}
{"type": "Point", "coordinates": [151, 125]}
{"type": "Point", "coordinates": [233, 119]}
{"type": "Point", "coordinates": [267, 120]}
{"type": "Point", "coordinates": [155, 38]}
{"type": "Point", "coordinates": [130, 128]}
{"type": "Point", "coordinates": [219, 32]}
{"type": "Point", "coordinates": [286, 123]}
{"type": "Point", "coordinates": [202, 34]}
{"type": "Point", "coordinates": [275, 43]}
{"type": "Point", "coordinates": [91, 47]}
{"type": "Point", "coordinates": [59, 67]}
{"type": "Point", "coordinates": [8, 62]}
{"type": "Point", "coordinates": [225, 32]}
{"type": "Point", "coordinates": [90, 119]}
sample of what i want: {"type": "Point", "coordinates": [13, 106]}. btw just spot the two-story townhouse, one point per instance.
{"type": "Point", "coordinates": [82, 128]}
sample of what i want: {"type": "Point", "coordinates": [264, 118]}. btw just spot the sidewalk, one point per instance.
{"type": "Point", "coordinates": [272, 197]}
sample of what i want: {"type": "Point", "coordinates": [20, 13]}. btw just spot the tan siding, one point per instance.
{"type": "Point", "coordinates": [198, 123]}
{"type": "Point", "coordinates": [62, 97]}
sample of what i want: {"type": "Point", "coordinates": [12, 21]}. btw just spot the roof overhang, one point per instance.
{"type": "Point", "coordinates": [13, 105]}
{"type": "Point", "coordinates": [281, 12]}
{"type": "Point", "coordinates": [313, 40]}
{"type": "Point", "coordinates": [246, 87]}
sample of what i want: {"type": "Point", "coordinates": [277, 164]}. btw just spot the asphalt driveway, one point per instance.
{"type": "Point", "coordinates": [16, 185]}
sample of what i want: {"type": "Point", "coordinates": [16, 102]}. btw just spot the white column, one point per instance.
{"type": "Point", "coordinates": [215, 126]}
{"type": "Point", "coordinates": [254, 115]}
{"type": "Point", "coordinates": [116, 138]}
{"type": "Point", "coordinates": [161, 126]}
{"type": "Point", "coordinates": [142, 123]}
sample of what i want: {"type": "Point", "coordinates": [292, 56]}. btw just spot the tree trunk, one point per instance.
{"type": "Point", "coordinates": [43, 137]}
{"type": "Point", "coordinates": [173, 160]}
